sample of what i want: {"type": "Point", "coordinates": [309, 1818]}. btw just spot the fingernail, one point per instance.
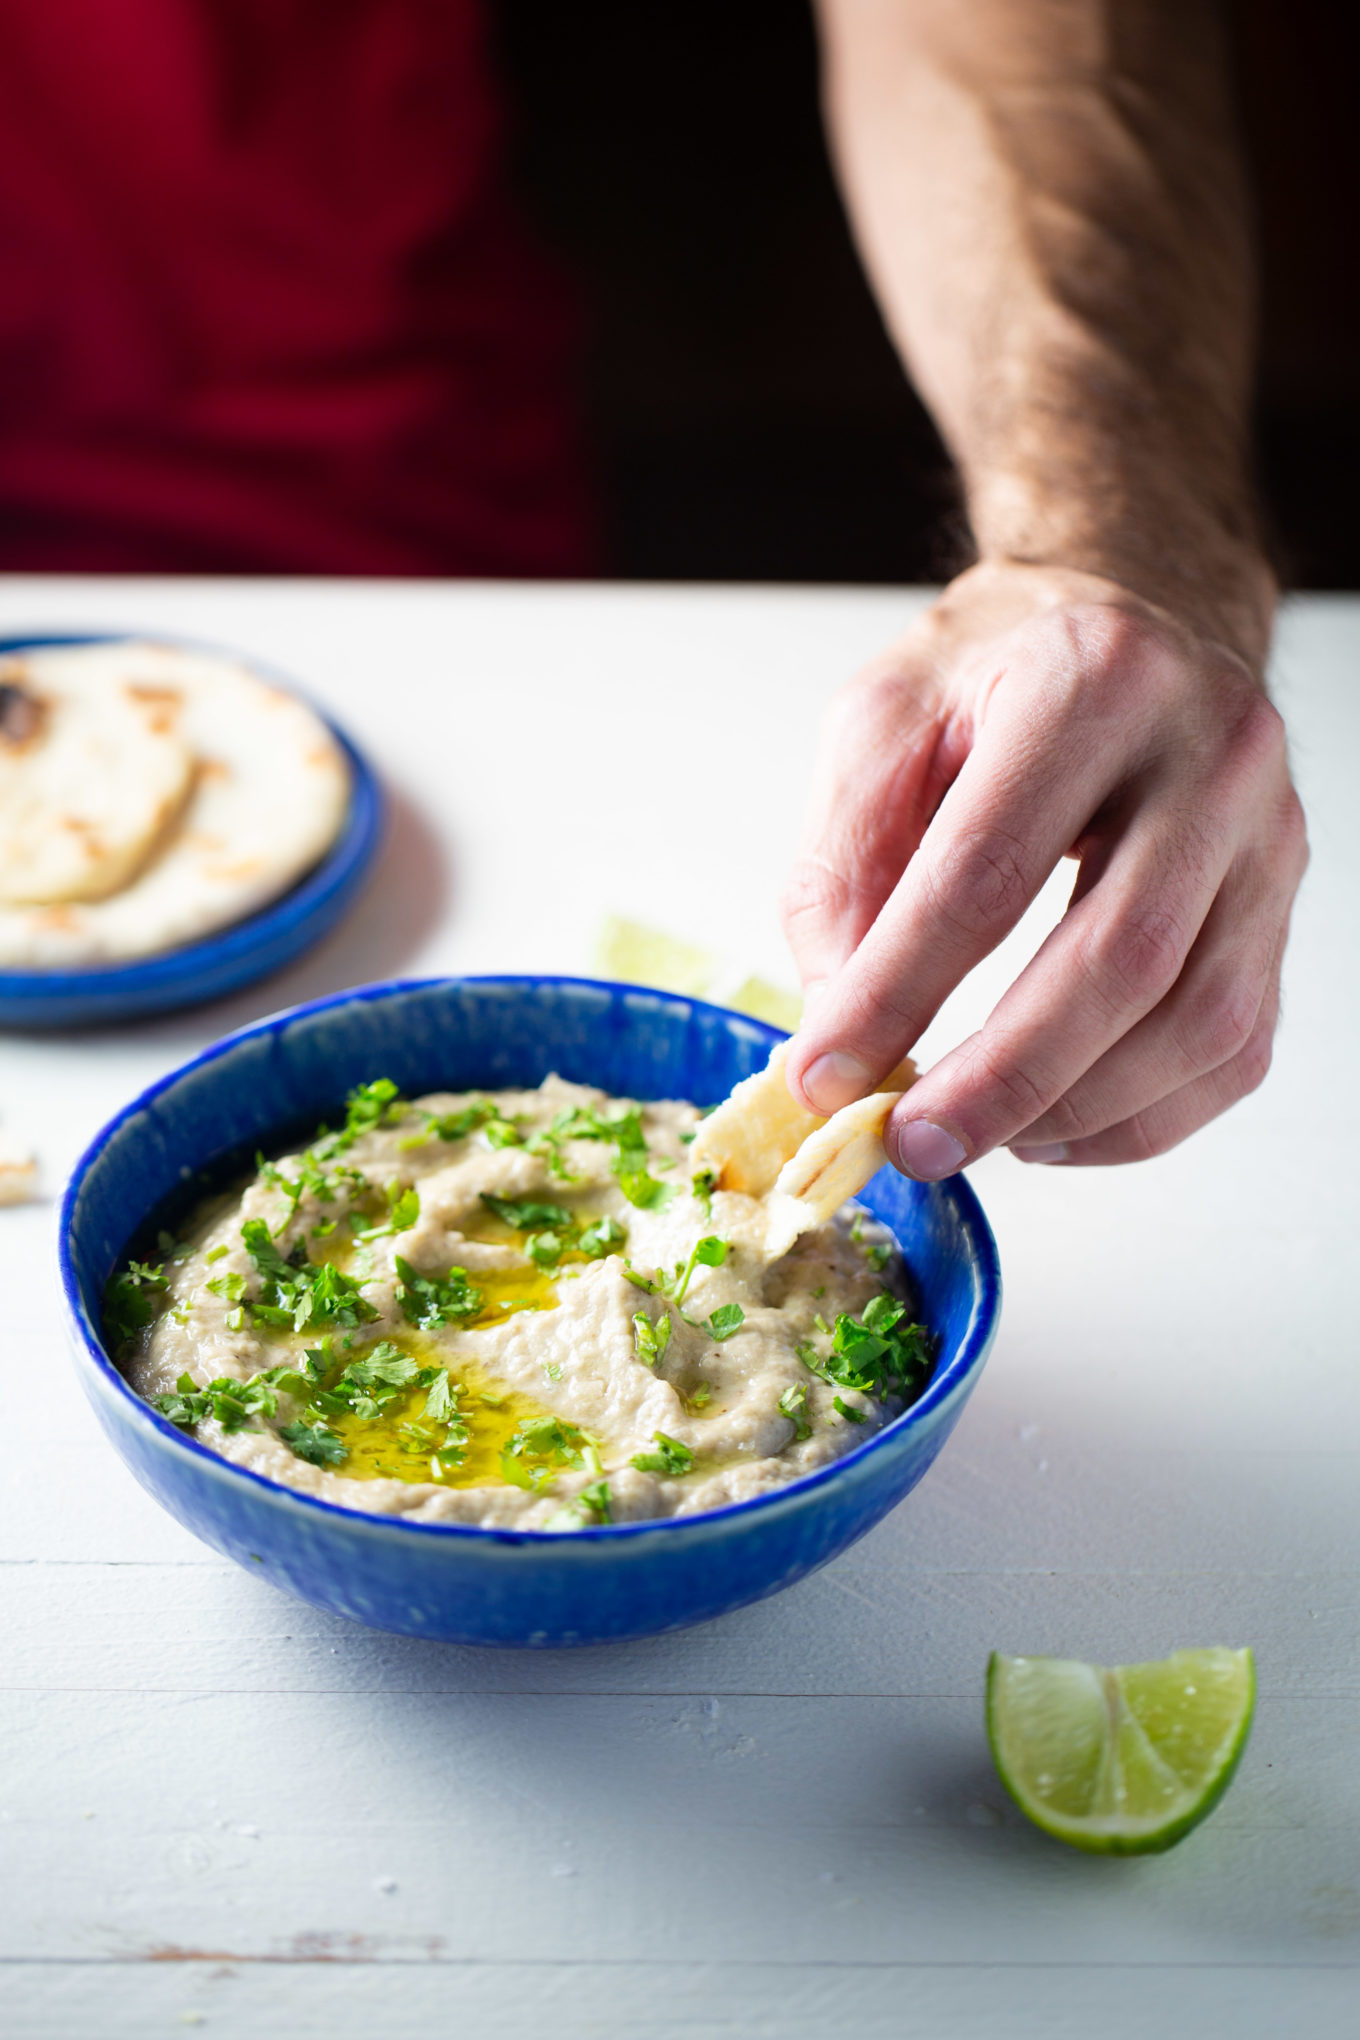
{"type": "Point", "coordinates": [1046, 1151]}
{"type": "Point", "coordinates": [836, 1079]}
{"type": "Point", "coordinates": [927, 1152]}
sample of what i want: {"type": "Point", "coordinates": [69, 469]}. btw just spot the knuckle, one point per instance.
{"type": "Point", "coordinates": [1016, 1094]}
{"type": "Point", "coordinates": [980, 883]}
{"type": "Point", "coordinates": [812, 892]}
{"type": "Point", "coordinates": [1221, 1021]}
{"type": "Point", "coordinates": [1141, 953]}
{"type": "Point", "coordinates": [1291, 835]}
{"type": "Point", "coordinates": [1252, 1063]}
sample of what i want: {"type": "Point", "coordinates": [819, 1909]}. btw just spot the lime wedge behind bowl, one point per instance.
{"type": "Point", "coordinates": [1121, 1760]}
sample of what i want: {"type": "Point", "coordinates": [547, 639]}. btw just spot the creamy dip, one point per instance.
{"type": "Point", "coordinates": [516, 1308]}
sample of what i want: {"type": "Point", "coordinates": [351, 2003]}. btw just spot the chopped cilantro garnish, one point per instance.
{"type": "Point", "coordinates": [525, 1214]}
{"type": "Point", "coordinates": [793, 1404]}
{"type": "Point", "coordinates": [539, 1446]}
{"type": "Point", "coordinates": [314, 1443]}
{"type": "Point", "coordinates": [630, 1164]}
{"type": "Point", "coordinates": [431, 1300]}
{"type": "Point", "coordinates": [441, 1403]}
{"type": "Point", "coordinates": [299, 1292]}
{"type": "Point", "coordinates": [878, 1257]}
{"type": "Point", "coordinates": [593, 1505]}
{"type": "Point", "coordinates": [232, 1402]}
{"type": "Point", "coordinates": [128, 1309]}
{"type": "Point", "coordinates": [709, 1252]}
{"type": "Point", "coordinates": [231, 1288]}
{"type": "Point", "coordinates": [367, 1107]}
{"type": "Point", "coordinates": [651, 1340]}
{"type": "Point", "coordinates": [403, 1211]}
{"type": "Point", "coordinates": [726, 1319]}
{"type": "Point", "coordinates": [670, 1457]}
{"type": "Point", "coordinates": [848, 1410]}
{"type": "Point", "coordinates": [601, 1238]}
{"type": "Point", "coordinates": [544, 1249]}
{"type": "Point", "coordinates": [214, 1254]}
{"type": "Point", "coordinates": [879, 1354]}
{"type": "Point", "coordinates": [699, 1398]}
{"type": "Point", "coordinates": [702, 1185]}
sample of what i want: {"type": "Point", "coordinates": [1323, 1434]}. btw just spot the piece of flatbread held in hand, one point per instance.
{"type": "Point", "coordinates": [760, 1141]}
{"type": "Point", "coordinates": [198, 790]}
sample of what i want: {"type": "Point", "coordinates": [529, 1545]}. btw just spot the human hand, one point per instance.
{"type": "Point", "coordinates": [1033, 713]}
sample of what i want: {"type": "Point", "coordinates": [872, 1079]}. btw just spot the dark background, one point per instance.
{"type": "Point", "coordinates": [748, 416]}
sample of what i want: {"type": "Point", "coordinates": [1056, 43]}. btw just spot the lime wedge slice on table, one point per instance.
{"type": "Point", "coordinates": [1121, 1759]}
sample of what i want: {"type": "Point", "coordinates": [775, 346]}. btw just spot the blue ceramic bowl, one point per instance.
{"type": "Point", "coordinates": [449, 1581]}
{"type": "Point", "coordinates": [220, 962]}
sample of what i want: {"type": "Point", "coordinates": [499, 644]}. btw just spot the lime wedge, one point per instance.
{"type": "Point", "coordinates": [1121, 1759]}
{"type": "Point", "coordinates": [630, 950]}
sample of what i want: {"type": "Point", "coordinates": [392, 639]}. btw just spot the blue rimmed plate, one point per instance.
{"type": "Point", "coordinates": [450, 1580]}
{"type": "Point", "coordinates": [230, 957]}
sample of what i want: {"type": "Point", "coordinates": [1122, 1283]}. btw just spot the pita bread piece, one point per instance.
{"type": "Point", "coordinates": [93, 769]}
{"type": "Point", "coordinates": [270, 794]}
{"type": "Point", "coordinates": [750, 1141]}
{"type": "Point", "coordinates": [833, 1164]}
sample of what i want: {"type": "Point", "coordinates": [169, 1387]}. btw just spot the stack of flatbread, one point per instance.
{"type": "Point", "coordinates": [804, 1168]}
{"type": "Point", "coordinates": [149, 795]}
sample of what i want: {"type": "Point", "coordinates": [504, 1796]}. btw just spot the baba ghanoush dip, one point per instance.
{"type": "Point", "coordinates": [519, 1308]}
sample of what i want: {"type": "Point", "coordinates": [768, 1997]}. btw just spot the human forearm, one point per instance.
{"type": "Point", "coordinates": [1048, 198]}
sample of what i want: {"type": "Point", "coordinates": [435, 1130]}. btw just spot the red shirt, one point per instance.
{"type": "Point", "coordinates": [264, 304]}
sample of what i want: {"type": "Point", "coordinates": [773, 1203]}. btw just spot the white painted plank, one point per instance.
{"type": "Point", "coordinates": [871, 1624]}
{"type": "Point", "coordinates": [699, 2000]}
{"type": "Point", "coordinates": [588, 1827]}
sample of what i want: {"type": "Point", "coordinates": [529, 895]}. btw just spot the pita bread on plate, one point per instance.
{"type": "Point", "coordinates": [269, 792]}
{"type": "Point", "coordinates": [92, 772]}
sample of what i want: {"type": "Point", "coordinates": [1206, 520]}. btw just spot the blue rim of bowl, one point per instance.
{"type": "Point", "coordinates": [981, 1331]}
{"type": "Point", "coordinates": [340, 868]}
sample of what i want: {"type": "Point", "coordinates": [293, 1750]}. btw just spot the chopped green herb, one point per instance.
{"type": "Point", "coordinates": [878, 1257]}
{"type": "Point", "coordinates": [651, 1340]}
{"type": "Point", "coordinates": [793, 1404]}
{"type": "Point", "coordinates": [601, 1239]}
{"type": "Point", "coordinates": [214, 1254]}
{"type": "Point", "coordinates": [671, 1457]}
{"type": "Point", "coordinates": [541, 1445]}
{"type": "Point", "coordinates": [128, 1308]}
{"type": "Point", "coordinates": [702, 1185]}
{"type": "Point", "coordinates": [591, 1506]}
{"type": "Point", "coordinates": [630, 1164]}
{"type": "Point", "coordinates": [527, 1215]}
{"type": "Point", "coordinates": [879, 1354]}
{"type": "Point", "coordinates": [403, 1211]}
{"type": "Point", "coordinates": [299, 1292]}
{"type": "Point", "coordinates": [432, 1300]}
{"type": "Point", "coordinates": [314, 1443]}
{"type": "Point", "coordinates": [709, 1252]}
{"type": "Point", "coordinates": [857, 1227]}
{"type": "Point", "coordinates": [700, 1398]}
{"type": "Point", "coordinates": [726, 1319]}
{"type": "Point", "coordinates": [553, 1369]}
{"type": "Point", "coordinates": [544, 1249]}
{"type": "Point", "coordinates": [367, 1107]}
{"type": "Point", "coordinates": [231, 1288]}
{"type": "Point", "coordinates": [848, 1410]}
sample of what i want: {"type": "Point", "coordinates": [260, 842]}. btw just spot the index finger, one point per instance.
{"type": "Point", "coordinates": [1029, 788]}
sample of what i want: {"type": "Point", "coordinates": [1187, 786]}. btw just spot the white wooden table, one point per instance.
{"type": "Point", "coordinates": [217, 1807]}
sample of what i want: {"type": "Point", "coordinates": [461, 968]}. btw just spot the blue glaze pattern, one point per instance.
{"type": "Point", "coordinates": [232, 956]}
{"type": "Point", "coordinates": [508, 1587]}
